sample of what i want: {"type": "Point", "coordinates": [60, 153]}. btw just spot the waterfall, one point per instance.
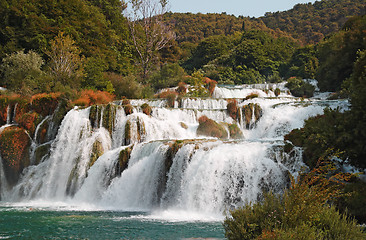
{"type": "Point", "coordinates": [104, 157]}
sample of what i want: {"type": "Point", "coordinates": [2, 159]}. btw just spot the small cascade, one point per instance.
{"type": "Point", "coordinates": [11, 113]}
{"type": "Point", "coordinates": [8, 115]}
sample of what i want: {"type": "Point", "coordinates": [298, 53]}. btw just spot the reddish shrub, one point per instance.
{"type": "Point", "coordinates": [210, 84]}
{"type": "Point", "coordinates": [146, 109]}
{"type": "Point", "coordinates": [28, 121]}
{"type": "Point", "coordinates": [128, 109]}
{"type": "Point", "coordinates": [252, 95]}
{"type": "Point", "coordinates": [277, 92]}
{"type": "Point", "coordinates": [14, 149]}
{"type": "Point", "coordinates": [210, 128]}
{"type": "Point", "coordinates": [232, 108]}
{"type": "Point", "coordinates": [182, 88]}
{"type": "Point", "coordinates": [90, 97]}
{"type": "Point", "coordinates": [202, 119]}
{"type": "Point", "coordinates": [45, 103]}
{"type": "Point", "coordinates": [125, 101]}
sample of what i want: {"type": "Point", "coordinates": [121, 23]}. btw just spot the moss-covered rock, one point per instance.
{"type": "Point", "coordinates": [146, 109]}
{"type": "Point", "coordinates": [124, 157]}
{"type": "Point", "coordinates": [210, 128]}
{"type": "Point", "coordinates": [42, 133]}
{"type": "Point", "coordinates": [128, 109]}
{"type": "Point", "coordinates": [94, 115]}
{"type": "Point", "coordinates": [235, 132]}
{"type": "Point", "coordinates": [14, 150]}
{"type": "Point", "coordinates": [183, 125]}
{"type": "Point", "coordinates": [141, 132]}
{"type": "Point", "coordinates": [97, 151]}
{"type": "Point", "coordinates": [252, 110]}
{"type": "Point", "coordinates": [277, 92]}
{"type": "Point", "coordinates": [127, 139]}
{"type": "Point", "coordinates": [40, 152]}
{"type": "Point", "coordinates": [109, 116]}
{"type": "Point", "coordinates": [170, 153]}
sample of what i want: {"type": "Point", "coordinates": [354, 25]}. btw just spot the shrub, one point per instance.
{"type": "Point", "coordinates": [168, 76]}
{"type": "Point", "coordinates": [45, 103]}
{"type": "Point", "coordinates": [210, 85]}
{"type": "Point", "coordinates": [251, 96]}
{"type": "Point", "coordinates": [182, 88]}
{"type": "Point", "coordinates": [125, 86]}
{"type": "Point", "coordinates": [277, 92]}
{"type": "Point", "coordinates": [235, 131]}
{"type": "Point", "coordinates": [302, 212]}
{"type": "Point", "coordinates": [146, 109]}
{"type": "Point", "coordinates": [210, 128]}
{"type": "Point", "coordinates": [300, 88]}
{"type": "Point", "coordinates": [90, 97]}
{"type": "Point", "coordinates": [22, 72]}
{"type": "Point", "coordinates": [170, 96]}
{"type": "Point", "coordinates": [197, 85]}
{"type": "Point", "coordinates": [232, 108]}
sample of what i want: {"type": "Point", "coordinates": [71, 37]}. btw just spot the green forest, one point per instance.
{"type": "Point", "coordinates": [75, 47]}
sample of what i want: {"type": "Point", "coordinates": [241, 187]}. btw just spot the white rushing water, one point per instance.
{"type": "Point", "coordinates": [202, 177]}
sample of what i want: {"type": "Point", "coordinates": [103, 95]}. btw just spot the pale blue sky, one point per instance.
{"type": "Point", "coordinates": [252, 8]}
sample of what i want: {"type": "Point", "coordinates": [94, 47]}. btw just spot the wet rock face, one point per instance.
{"type": "Point", "coordinates": [252, 113]}
{"type": "Point", "coordinates": [14, 150]}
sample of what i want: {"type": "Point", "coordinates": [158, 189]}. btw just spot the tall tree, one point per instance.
{"type": "Point", "coordinates": [149, 33]}
{"type": "Point", "coordinates": [66, 64]}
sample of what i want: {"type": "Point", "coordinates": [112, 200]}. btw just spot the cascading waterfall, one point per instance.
{"type": "Point", "coordinates": [138, 162]}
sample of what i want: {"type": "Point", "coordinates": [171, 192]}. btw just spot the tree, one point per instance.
{"type": "Point", "coordinates": [149, 33]}
{"type": "Point", "coordinates": [66, 64]}
{"type": "Point", "coordinates": [21, 72]}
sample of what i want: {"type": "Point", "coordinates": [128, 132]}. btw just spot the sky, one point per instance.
{"type": "Point", "coordinates": [251, 8]}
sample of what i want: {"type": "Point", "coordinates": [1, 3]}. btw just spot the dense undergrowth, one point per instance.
{"type": "Point", "coordinates": [304, 211]}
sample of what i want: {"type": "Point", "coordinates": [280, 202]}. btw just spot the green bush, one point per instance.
{"type": "Point", "coordinates": [300, 88]}
{"type": "Point", "coordinates": [168, 76]}
{"type": "Point", "coordinates": [21, 72]}
{"type": "Point", "coordinates": [302, 212]}
{"type": "Point", "coordinates": [124, 86]}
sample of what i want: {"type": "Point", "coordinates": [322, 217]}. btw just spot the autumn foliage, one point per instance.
{"type": "Point", "coordinates": [45, 103]}
{"type": "Point", "coordinates": [90, 97]}
{"type": "Point", "coordinates": [14, 149]}
{"type": "Point", "coordinates": [210, 128]}
{"type": "Point", "coordinates": [232, 108]}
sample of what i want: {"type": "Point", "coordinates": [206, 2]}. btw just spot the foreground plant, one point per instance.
{"type": "Point", "coordinates": [302, 212]}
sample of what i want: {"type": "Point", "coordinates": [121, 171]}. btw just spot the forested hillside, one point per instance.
{"type": "Point", "coordinates": [308, 23]}
{"type": "Point", "coordinates": [311, 22]}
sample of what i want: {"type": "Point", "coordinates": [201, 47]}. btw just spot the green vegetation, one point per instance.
{"type": "Point", "coordinates": [338, 53]}
{"type": "Point", "coordinates": [300, 88]}
{"type": "Point", "coordinates": [90, 53]}
{"type": "Point", "coordinates": [301, 212]}
{"type": "Point", "coordinates": [210, 128]}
